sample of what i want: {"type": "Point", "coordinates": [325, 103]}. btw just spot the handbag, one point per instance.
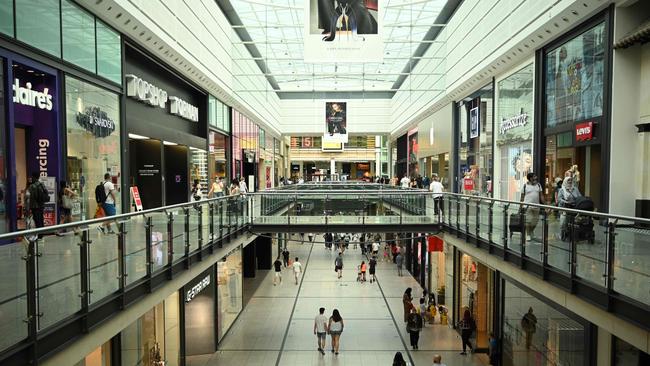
{"type": "Point", "coordinates": [66, 201]}
{"type": "Point", "coordinates": [99, 212]}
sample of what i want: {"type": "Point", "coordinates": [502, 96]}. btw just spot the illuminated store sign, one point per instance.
{"type": "Point", "coordinates": [33, 98]}
{"type": "Point", "coordinates": [194, 291]}
{"type": "Point", "coordinates": [145, 92]}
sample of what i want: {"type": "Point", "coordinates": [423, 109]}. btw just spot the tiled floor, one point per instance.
{"type": "Point", "coordinates": [276, 326]}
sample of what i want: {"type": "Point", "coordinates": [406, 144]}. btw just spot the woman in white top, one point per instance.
{"type": "Point", "coordinates": [531, 193]}
{"type": "Point", "coordinates": [335, 327]}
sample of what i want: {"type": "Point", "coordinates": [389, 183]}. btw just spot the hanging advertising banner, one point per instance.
{"type": "Point", "coordinates": [49, 211]}
{"type": "Point", "coordinates": [344, 31]}
{"type": "Point", "coordinates": [474, 123]}
{"type": "Point", "coordinates": [336, 125]}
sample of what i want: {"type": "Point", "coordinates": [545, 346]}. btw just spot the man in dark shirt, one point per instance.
{"type": "Point", "coordinates": [373, 265]}
{"type": "Point", "coordinates": [277, 266]}
{"type": "Point", "coordinates": [285, 257]}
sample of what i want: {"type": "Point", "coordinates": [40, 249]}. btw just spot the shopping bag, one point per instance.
{"type": "Point", "coordinates": [99, 212]}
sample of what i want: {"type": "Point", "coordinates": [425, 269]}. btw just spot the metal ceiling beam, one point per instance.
{"type": "Point", "coordinates": [334, 75]}
{"type": "Point", "coordinates": [301, 42]}
{"type": "Point", "coordinates": [299, 26]}
{"type": "Point", "coordinates": [307, 90]}
{"type": "Point", "coordinates": [302, 59]}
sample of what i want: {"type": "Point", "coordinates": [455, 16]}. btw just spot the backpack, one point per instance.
{"type": "Point", "coordinates": [414, 322]}
{"type": "Point", "coordinates": [42, 195]}
{"type": "Point", "coordinates": [100, 193]}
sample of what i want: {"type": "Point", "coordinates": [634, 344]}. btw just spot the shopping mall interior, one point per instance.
{"type": "Point", "coordinates": [188, 182]}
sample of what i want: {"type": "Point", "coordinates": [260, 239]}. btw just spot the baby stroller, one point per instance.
{"type": "Point", "coordinates": [359, 275]}
{"type": "Point", "coordinates": [583, 225]}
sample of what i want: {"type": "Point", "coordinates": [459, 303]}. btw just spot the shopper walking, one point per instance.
{"type": "Point", "coordinates": [297, 269]}
{"type": "Point", "coordinates": [216, 189]}
{"type": "Point", "coordinates": [108, 204]}
{"type": "Point", "coordinates": [493, 350]}
{"type": "Point", "coordinates": [437, 188]}
{"type": "Point", "coordinates": [320, 329]}
{"type": "Point", "coordinates": [66, 201]}
{"type": "Point", "coordinates": [372, 268]}
{"type": "Point", "coordinates": [285, 257]}
{"type": "Point", "coordinates": [467, 326]}
{"type": "Point", "coordinates": [335, 327]}
{"type": "Point", "coordinates": [407, 299]}
{"type": "Point", "coordinates": [363, 271]}
{"type": "Point", "coordinates": [36, 196]}
{"type": "Point", "coordinates": [399, 260]}
{"type": "Point", "coordinates": [529, 325]}
{"type": "Point", "coordinates": [375, 248]}
{"type": "Point", "coordinates": [531, 193]}
{"type": "Point", "coordinates": [310, 236]}
{"type": "Point", "coordinates": [277, 266]}
{"type": "Point", "coordinates": [413, 327]}
{"type": "Point", "coordinates": [338, 265]}
{"type": "Point", "coordinates": [399, 360]}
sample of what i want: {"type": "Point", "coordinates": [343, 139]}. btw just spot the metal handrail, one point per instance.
{"type": "Point", "coordinates": [118, 217]}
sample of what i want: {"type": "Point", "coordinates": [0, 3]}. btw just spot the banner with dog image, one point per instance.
{"type": "Point", "coordinates": [336, 123]}
{"type": "Point", "coordinates": [343, 31]}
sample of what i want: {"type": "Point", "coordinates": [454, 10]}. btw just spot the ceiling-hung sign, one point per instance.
{"type": "Point", "coordinates": [96, 121]}
{"type": "Point", "coordinates": [474, 123]}
{"type": "Point", "coordinates": [147, 93]}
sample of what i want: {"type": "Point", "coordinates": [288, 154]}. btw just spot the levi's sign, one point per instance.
{"type": "Point", "coordinates": [147, 93]}
{"type": "Point", "coordinates": [584, 131]}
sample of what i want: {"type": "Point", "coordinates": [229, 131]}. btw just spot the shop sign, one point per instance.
{"type": "Point", "coordinates": [584, 131]}
{"type": "Point", "coordinates": [32, 98]}
{"type": "Point", "coordinates": [519, 120]}
{"type": "Point", "coordinates": [183, 109]}
{"type": "Point", "coordinates": [145, 92]}
{"type": "Point", "coordinates": [96, 121]}
{"type": "Point", "coordinates": [474, 123]}
{"type": "Point", "coordinates": [468, 184]}
{"type": "Point", "coordinates": [434, 244]}
{"type": "Point", "coordinates": [136, 198]}
{"type": "Point", "coordinates": [196, 289]}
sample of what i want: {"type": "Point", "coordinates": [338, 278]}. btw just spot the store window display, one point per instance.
{"type": "Point", "coordinates": [154, 338]}
{"type": "Point", "coordinates": [217, 161]}
{"type": "Point", "coordinates": [475, 125]}
{"type": "Point", "coordinates": [574, 74]}
{"type": "Point", "coordinates": [229, 291]}
{"type": "Point", "coordinates": [4, 214]}
{"type": "Point", "coordinates": [199, 169]}
{"type": "Point", "coordinates": [514, 132]}
{"type": "Point", "coordinates": [476, 296]}
{"type": "Point", "coordinates": [93, 141]}
{"type": "Point", "coordinates": [535, 333]}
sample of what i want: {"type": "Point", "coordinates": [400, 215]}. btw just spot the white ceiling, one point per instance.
{"type": "Point", "coordinates": [276, 27]}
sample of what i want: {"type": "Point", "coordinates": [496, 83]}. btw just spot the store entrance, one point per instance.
{"type": "Point", "coordinates": [177, 187]}
{"type": "Point", "coordinates": [588, 163]}
{"type": "Point", "coordinates": [20, 139]}
{"type": "Point", "coordinates": [249, 169]}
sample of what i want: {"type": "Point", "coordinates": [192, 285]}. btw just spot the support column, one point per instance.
{"type": "Point", "coordinates": [264, 251]}
{"type": "Point", "coordinates": [249, 260]}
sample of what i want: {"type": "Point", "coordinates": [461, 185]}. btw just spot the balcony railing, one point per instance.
{"type": "Point", "coordinates": [57, 282]}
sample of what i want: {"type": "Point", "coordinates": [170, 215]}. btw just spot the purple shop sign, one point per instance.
{"type": "Point", "coordinates": [35, 103]}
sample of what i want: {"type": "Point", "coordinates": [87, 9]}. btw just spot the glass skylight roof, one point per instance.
{"type": "Point", "coordinates": [276, 28]}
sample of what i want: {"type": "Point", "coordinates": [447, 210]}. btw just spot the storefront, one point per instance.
{"type": "Point", "coordinates": [218, 141]}
{"type": "Point", "coordinates": [413, 169]}
{"type": "Point", "coordinates": [100, 356]}
{"type": "Point", "coordinates": [473, 129]}
{"type": "Point", "coordinates": [245, 149]}
{"type": "Point", "coordinates": [575, 119]}
{"type": "Point", "coordinates": [199, 315]}
{"type": "Point", "coordinates": [154, 339]}
{"type": "Point", "coordinates": [167, 127]}
{"type": "Point", "coordinates": [538, 333]}
{"type": "Point", "coordinates": [440, 269]}
{"type": "Point", "coordinates": [93, 143]}
{"type": "Point", "coordinates": [401, 156]}
{"type": "Point", "coordinates": [514, 132]}
{"type": "Point", "coordinates": [31, 136]}
{"type": "Point", "coordinates": [229, 291]}
{"type": "Point", "coordinates": [476, 283]}
{"type": "Point", "coordinates": [435, 143]}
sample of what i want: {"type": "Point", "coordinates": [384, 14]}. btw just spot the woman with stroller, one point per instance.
{"type": "Point", "coordinates": [567, 197]}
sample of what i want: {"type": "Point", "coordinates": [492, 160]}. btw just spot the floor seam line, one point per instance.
{"type": "Point", "coordinates": [408, 352]}
{"type": "Point", "coordinates": [293, 309]}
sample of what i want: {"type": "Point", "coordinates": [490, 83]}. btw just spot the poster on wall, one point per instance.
{"type": "Point", "coordinates": [336, 124]}
{"type": "Point", "coordinates": [412, 168]}
{"type": "Point", "coordinates": [343, 31]}
{"type": "Point", "coordinates": [474, 123]}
